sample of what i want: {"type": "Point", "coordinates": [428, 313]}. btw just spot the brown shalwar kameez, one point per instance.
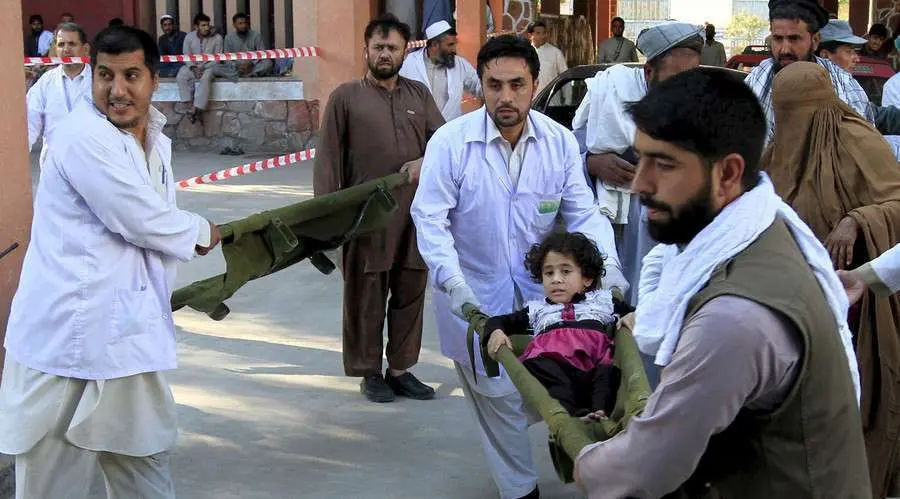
{"type": "Point", "coordinates": [368, 132]}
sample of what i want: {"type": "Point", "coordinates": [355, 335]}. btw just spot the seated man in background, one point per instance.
{"type": "Point", "coordinates": [878, 42]}
{"type": "Point", "coordinates": [200, 41]}
{"type": "Point", "coordinates": [171, 42]}
{"type": "Point", "coordinates": [244, 39]}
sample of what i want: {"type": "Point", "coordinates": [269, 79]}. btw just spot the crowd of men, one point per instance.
{"type": "Point", "coordinates": [54, 90]}
{"type": "Point", "coordinates": [730, 255]}
{"type": "Point", "coordinates": [741, 226]}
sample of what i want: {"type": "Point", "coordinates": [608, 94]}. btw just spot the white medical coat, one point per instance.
{"type": "Point", "coordinates": [472, 222]}
{"type": "Point", "coordinates": [462, 77]}
{"type": "Point", "coordinates": [94, 294]}
{"type": "Point", "coordinates": [52, 98]}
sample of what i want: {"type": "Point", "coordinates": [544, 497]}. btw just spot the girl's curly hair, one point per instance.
{"type": "Point", "coordinates": [572, 244]}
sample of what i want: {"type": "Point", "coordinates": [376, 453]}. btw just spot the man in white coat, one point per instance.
{"type": "Point", "coordinates": [609, 133]}
{"type": "Point", "coordinates": [91, 330]}
{"type": "Point", "coordinates": [493, 183]}
{"type": "Point", "coordinates": [446, 74]}
{"type": "Point", "coordinates": [881, 275]}
{"type": "Point", "coordinates": [61, 89]}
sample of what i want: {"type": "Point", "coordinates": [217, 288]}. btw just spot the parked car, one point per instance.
{"type": "Point", "coordinates": [560, 99]}
{"type": "Point", "coordinates": [871, 73]}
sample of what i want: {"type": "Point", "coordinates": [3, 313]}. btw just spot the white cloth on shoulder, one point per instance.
{"type": "Point", "coordinates": [670, 278]}
{"type": "Point", "coordinates": [609, 129]}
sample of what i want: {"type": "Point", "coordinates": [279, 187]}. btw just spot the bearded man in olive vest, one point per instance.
{"type": "Point", "coordinates": [740, 306]}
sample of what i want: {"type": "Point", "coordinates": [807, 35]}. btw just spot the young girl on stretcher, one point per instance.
{"type": "Point", "coordinates": [572, 352]}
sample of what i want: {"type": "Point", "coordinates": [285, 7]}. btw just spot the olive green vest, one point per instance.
{"type": "Point", "coordinates": [812, 445]}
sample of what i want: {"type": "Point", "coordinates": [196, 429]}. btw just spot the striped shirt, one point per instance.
{"type": "Point", "coordinates": [848, 90]}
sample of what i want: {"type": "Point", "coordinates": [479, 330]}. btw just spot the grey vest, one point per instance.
{"type": "Point", "coordinates": [812, 445]}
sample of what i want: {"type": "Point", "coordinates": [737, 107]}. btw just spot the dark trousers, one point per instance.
{"type": "Point", "coordinates": [366, 295]}
{"type": "Point", "coordinates": [577, 391]}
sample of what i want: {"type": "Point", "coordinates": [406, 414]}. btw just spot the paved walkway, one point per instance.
{"type": "Point", "coordinates": [264, 408]}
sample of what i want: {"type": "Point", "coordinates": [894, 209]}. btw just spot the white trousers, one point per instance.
{"type": "Point", "coordinates": [56, 469]}
{"type": "Point", "coordinates": [61, 430]}
{"type": "Point", "coordinates": [503, 426]}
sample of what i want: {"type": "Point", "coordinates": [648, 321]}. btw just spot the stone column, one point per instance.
{"type": "Point", "coordinates": [281, 27]}
{"type": "Point", "coordinates": [337, 29]}
{"type": "Point", "coordinates": [208, 7]}
{"type": "Point", "coordinates": [859, 15]}
{"type": "Point", "coordinates": [185, 16]}
{"type": "Point", "coordinates": [406, 11]}
{"type": "Point", "coordinates": [600, 14]}
{"type": "Point", "coordinates": [15, 190]}
{"type": "Point", "coordinates": [162, 7]}
{"type": "Point", "coordinates": [830, 5]}
{"type": "Point", "coordinates": [15, 168]}
{"type": "Point", "coordinates": [230, 8]}
{"type": "Point", "coordinates": [470, 25]}
{"type": "Point", "coordinates": [499, 12]}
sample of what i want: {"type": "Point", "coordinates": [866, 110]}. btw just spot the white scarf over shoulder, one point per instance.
{"type": "Point", "coordinates": [670, 277]}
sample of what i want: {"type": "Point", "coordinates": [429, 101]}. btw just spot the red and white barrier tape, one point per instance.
{"type": "Point", "coordinates": [417, 44]}
{"type": "Point", "coordinates": [34, 61]}
{"type": "Point", "coordinates": [257, 166]}
{"type": "Point", "coordinates": [245, 56]}
{"type": "Point", "coordinates": [229, 56]}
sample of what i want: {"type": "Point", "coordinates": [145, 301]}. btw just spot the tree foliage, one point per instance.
{"type": "Point", "coordinates": [747, 28]}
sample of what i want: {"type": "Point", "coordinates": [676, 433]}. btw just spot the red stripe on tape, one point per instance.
{"type": "Point", "coordinates": [254, 55]}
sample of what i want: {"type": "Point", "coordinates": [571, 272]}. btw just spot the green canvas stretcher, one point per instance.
{"type": "Point", "coordinates": [568, 434]}
{"type": "Point", "coordinates": [270, 241]}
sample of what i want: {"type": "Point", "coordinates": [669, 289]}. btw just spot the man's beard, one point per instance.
{"type": "Point", "coordinates": [447, 60]}
{"type": "Point", "coordinates": [683, 226]}
{"type": "Point", "coordinates": [384, 73]}
{"type": "Point", "coordinates": [124, 125]}
{"type": "Point", "coordinates": [778, 66]}
{"type": "Point", "coordinates": [507, 122]}
{"type": "Point", "coordinates": [121, 125]}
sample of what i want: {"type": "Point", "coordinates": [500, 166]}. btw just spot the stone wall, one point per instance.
{"type": "Point", "coordinates": [271, 126]}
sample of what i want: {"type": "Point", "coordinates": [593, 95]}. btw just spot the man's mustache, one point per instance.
{"type": "Point", "coordinates": [654, 204]}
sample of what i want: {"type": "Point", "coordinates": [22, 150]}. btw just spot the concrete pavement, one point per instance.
{"type": "Point", "coordinates": [264, 408]}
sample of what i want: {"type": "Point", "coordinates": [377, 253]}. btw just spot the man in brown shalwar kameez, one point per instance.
{"type": "Point", "coordinates": [371, 128]}
{"type": "Point", "coordinates": [841, 177]}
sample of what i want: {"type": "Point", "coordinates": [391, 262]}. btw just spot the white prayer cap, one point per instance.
{"type": "Point", "coordinates": [437, 29]}
{"type": "Point", "coordinates": [166, 16]}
